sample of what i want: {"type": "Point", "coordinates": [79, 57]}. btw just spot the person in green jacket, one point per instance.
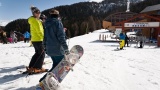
{"type": "Point", "coordinates": [37, 35]}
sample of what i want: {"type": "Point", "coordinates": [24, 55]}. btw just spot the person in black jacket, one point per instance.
{"type": "Point", "coordinates": [126, 40]}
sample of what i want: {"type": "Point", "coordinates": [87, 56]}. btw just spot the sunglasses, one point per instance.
{"type": "Point", "coordinates": [37, 12]}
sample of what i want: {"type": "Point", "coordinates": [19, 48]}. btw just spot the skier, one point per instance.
{"type": "Point", "coordinates": [140, 40]}
{"type": "Point", "coordinates": [54, 39]}
{"type": "Point", "coordinates": [122, 40]}
{"type": "Point", "coordinates": [26, 36]}
{"type": "Point", "coordinates": [13, 36]}
{"type": "Point", "coordinates": [37, 35]}
{"type": "Point", "coordinates": [3, 37]}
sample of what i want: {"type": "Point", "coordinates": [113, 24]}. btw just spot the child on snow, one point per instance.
{"type": "Point", "coordinates": [26, 36]}
{"type": "Point", "coordinates": [122, 40]}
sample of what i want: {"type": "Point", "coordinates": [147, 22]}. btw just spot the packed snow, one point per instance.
{"type": "Point", "coordinates": [95, 0]}
{"type": "Point", "coordinates": [100, 68]}
{"type": "Point", "coordinates": [4, 22]}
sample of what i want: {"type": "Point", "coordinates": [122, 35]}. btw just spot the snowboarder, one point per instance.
{"type": "Point", "coordinates": [37, 35]}
{"type": "Point", "coordinates": [54, 39]}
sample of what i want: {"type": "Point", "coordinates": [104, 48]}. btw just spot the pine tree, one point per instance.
{"type": "Point", "coordinates": [91, 24]}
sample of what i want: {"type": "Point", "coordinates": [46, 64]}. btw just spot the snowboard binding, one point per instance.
{"type": "Point", "coordinates": [49, 83]}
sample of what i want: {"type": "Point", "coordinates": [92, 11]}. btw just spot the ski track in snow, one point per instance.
{"type": "Point", "coordinates": [100, 68]}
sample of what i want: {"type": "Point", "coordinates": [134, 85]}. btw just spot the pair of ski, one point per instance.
{"type": "Point", "coordinates": [56, 76]}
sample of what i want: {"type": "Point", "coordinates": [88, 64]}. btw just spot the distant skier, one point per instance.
{"type": "Point", "coordinates": [122, 40]}
{"type": "Point", "coordinates": [26, 36]}
{"type": "Point", "coordinates": [126, 40]}
{"type": "Point", "coordinates": [140, 39]}
{"type": "Point", "coordinates": [13, 36]}
{"type": "Point", "coordinates": [3, 37]}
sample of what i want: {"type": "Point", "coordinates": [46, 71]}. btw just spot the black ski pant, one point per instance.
{"type": "Point", "coordinates": [38, 57]}
{"type": "Point", "coordinates": [4, 40]}
{"type": "Point", "coordinates": [126, 42]}
{"type": "Point", "coordinates": [26, 40]}
{"type": "Point", "coordinates": [141, 44]}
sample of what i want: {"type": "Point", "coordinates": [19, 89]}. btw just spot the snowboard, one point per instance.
{"type": "Point", "coordinates": [57, 75]}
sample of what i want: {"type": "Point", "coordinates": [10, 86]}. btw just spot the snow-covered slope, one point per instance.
{"type": "Point", "coordinates": [100, 68]}
{"type": "Point", "coordinates": [105, 6]}
{"type": "Point", "coordinates": [95, 0]}
{"type": "Point", "coordinates": [4, 22]}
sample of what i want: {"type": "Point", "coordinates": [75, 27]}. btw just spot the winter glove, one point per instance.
{"type": "Point", "coordinates": [67, 52]}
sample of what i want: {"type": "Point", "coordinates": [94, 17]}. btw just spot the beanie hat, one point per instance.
{"type": "Point", "coordinates": [34, 9]}
{"type": "Point", "coordinates": [54, 11]}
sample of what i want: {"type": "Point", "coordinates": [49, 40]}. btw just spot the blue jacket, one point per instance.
{"type": "Point", "coordinates": [54, 37]}
{"type": "Point", "coordinates": [122, 36]}
{"type": "Point", "coordinates": [26, 34]}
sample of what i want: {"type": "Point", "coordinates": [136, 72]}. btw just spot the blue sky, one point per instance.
{"type": "Point", "coordinates": [15, 9]}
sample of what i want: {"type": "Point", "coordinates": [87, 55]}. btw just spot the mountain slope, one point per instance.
{"type": "Point", "coordinates": [84, 17]}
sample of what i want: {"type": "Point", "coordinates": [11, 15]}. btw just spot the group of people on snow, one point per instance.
{"type": "Point", "coordinates": [11, 39]}
{"type": "Point", "coordinates": [124, 40]}
{"type": "Point", "coordinates": [47, 36]}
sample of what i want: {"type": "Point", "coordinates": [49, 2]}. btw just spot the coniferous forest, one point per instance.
{"type": "Point", "coordinates": [81, 18]}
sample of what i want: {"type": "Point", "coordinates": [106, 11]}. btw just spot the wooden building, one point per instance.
{"type": "Point", "coordinates": [148, 21]}
{"type": "Point", "coordinates": [110, 21]}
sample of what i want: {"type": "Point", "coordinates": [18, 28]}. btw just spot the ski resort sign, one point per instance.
{"type": "Point", "coordinates": [142, 24]}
